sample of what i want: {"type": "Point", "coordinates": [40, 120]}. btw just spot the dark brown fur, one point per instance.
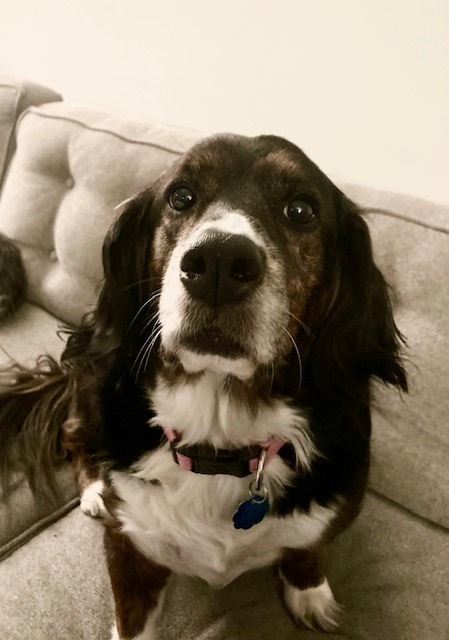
{"type": "Point", "coordinates": [12, 278]}
{"type": "Point", "coordinates": [136, 582]}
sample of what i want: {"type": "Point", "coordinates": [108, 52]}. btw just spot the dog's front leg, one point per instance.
{"type": "Point", "coordinates": [87, 472]}
{"type": "Point", "coordinates": [306, 590]}
{"type": "Point", "coordinates": [138, 586]}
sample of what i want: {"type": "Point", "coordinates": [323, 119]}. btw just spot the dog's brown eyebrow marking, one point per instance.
{"type": "Point", "coordinates": [281, 160]}
{"type": "Point", "coordinates": [282, 175]}
{"type": "Point", "coordinates": [204, 167]}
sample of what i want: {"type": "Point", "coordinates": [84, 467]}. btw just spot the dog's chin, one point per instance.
{"type": "Point", "coordinates": [197, 362]}
{"type": "Point", "coordinates": [211, 350]}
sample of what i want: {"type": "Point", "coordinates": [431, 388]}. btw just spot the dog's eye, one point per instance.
{"type": "Point", "coordinates": [300, 211]}
{"type": "Point", "coordinates": [181, 198]}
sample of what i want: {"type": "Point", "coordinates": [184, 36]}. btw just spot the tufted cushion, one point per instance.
{"type": "Point", "coordinates": [16, 95]}
{"type": "Point", "coordinates": [410, 435]}
{"type": "Point", "coordinates": [72, 167]}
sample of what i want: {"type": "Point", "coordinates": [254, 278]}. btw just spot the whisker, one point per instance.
{"type": "Point", "coordinates": [303, 325]}
{"type": "Point", "coordinates": [149, 322]}
{"type": "Point", "coordinates": [142, 351]}
{"type": "Point", "coordinates": [136, 284]}
{"type": "Point", "coordinates": [151, 347]}
{"type": "Point", "coordinates": [299, 357]}
{"type": "Point", "coordinates": [143, 359]}
{"type": "Point", "coordinates": [146, 303]}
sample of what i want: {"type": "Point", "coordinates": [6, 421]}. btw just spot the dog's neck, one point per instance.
{"type": "Point", "coordinates": [203, 410]}
{"type": "Point", "coordinates": [208, 460]}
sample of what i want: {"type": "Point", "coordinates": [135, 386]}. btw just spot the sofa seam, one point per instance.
{"type": "Point", "coordinates": [400, 216]}
{"type": "Point", "coordinates": [99, 130]}
{"type": "Point", "coordinates": [37, 527]}
{"type": "Point", "coordinates": [12, 130]}
{"type": "Point", "coordinates": [423, 519]}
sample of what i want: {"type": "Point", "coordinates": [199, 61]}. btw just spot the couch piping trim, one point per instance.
{"type": "Point", "coordinates": [425, 520]}
{"type": "Point", "coordinates": [22, 538]}
{"type": "Point", "coordinates": [400, 216]}
{"type": "Point", "coordinates": [9, 147]}
{"type": "Point", "coordinates": [102, 130]}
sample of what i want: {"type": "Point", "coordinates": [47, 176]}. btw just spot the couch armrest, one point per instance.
{"type": "Point", "coordinates": [16, 95]}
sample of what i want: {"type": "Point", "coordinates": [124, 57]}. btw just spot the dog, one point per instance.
{"type": "Point", "coordinates": [216, 404]}
{"type": "Point", "coordinates": [12, 278]}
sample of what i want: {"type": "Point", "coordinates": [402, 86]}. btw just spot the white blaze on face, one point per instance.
{"type": "Point", "coordinates": [268, 303]}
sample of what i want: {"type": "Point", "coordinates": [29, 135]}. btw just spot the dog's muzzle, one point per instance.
{"type": "Point", "coordinates": [222, 268]}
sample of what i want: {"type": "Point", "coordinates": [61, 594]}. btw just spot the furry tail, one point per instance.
{"type": "Point", "coordinates": [12, 278]}
{"type": "Point", "coordinates": [34, 404]}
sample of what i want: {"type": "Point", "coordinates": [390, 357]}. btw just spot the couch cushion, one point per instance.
{"type": "Point", "coordinates": [410, 435]}
{"type": "Point", "coordinates": [72, 167]}
{"type": "Point", "coordinates": [16, 95]}
{"type": "Point", "coordinates": [29, 333]}
{"type": "Point", "coordinates": [21, 518]}
{"type": "Point", "coordinates": [392, 586]}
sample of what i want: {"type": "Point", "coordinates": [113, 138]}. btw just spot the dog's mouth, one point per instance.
{"type": "Point", "coordinates": [215, 342]}
{"type": "Point", "coordinates": [214, 349]}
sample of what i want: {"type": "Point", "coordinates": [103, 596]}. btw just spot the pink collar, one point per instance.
{"type": "Point", "coordinates": [205, 459]}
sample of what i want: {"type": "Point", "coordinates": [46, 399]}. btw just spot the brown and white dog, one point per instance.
{"type": "Point", "coordinates": [216, 405]}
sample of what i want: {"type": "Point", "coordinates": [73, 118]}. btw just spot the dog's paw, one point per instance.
{"type": "Point", "coordinates": [315, 607]}
{"type": "Point", "coordinates": [91, 500]}
{"type": "Point", "coordinates": [114, 633]}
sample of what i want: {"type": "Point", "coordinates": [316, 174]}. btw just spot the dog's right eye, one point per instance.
{"type": "Point", "coordinates": [300, 211]}
{"type": "Point", "coordinates": [181, 198]}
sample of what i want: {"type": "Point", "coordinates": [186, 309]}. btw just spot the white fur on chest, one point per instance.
{"type": "Point", "coordinates": [204, 411]}
{"type": "Point", "coordinates": [185, 521]}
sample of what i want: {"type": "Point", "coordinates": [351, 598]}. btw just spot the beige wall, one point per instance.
{"type": "Point", "coordinates": [361, 85]}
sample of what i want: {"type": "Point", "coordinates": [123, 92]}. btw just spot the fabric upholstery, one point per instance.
{"type": "Point", "coordinates": [410, 434]}
{"type": "Point", "coordinates": [22, 518]}
{"type": "Point", "coordinates": [15, 96]}
{"type": "Point", "coordinates": [30, 332]}
{"type": "Point", "coordinates": [25, 336]}
{"type": "Point", "coordinates": [71, 169]}
{"type": "Point", "coordinates": [393, 587]}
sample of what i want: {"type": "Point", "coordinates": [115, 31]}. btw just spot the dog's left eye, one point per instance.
{"type": "Point", "coordinates": [300, 211]}
{"type": "Point", "coordinates": [181, 198]}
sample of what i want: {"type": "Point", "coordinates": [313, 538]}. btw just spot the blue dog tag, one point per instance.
{"type": "Point", "coordinates": [251, 512]}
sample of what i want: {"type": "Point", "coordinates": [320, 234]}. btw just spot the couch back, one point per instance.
{"type": "Point", "coordinates": [71, 169]}
{"type": "Point", "coordinates": [73, 166]}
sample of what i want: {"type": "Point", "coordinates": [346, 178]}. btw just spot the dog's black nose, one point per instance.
{"type": "Point", "coordinates": [223, 268]}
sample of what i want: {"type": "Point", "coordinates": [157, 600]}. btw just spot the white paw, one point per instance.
{"type": "Point", "coordinates": [314, 607]}
{"type": "Point", "coordinates": [91, 500]}
{"type": "Point", "coordinates": [114, 633]}
{"type": "Point", "coordinates": [148, 633]}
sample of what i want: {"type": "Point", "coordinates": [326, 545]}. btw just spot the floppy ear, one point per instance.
{"type": "Point", "coordinates": [359, 338]}
{"type": "Point", "coordinates": [127, 251]}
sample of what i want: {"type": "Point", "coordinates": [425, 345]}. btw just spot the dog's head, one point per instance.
{"type": "Point", "coordinates": [244, 258]}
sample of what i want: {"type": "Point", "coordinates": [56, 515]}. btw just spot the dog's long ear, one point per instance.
{"type": "Point", "coordinates": [359, 338]}
{"type": "Point", "coordinates": [128, 283]}
{"type": "Point", "coordinates": [127, 252]}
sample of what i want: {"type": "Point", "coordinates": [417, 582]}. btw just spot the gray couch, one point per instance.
{"type": "Point", "coordinates": [390, 569]}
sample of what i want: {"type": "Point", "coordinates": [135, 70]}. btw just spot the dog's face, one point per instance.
{"type": "Point", "coordinates": [240, 250]}
{"type": "Point", "coordinates": [243, 258]}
